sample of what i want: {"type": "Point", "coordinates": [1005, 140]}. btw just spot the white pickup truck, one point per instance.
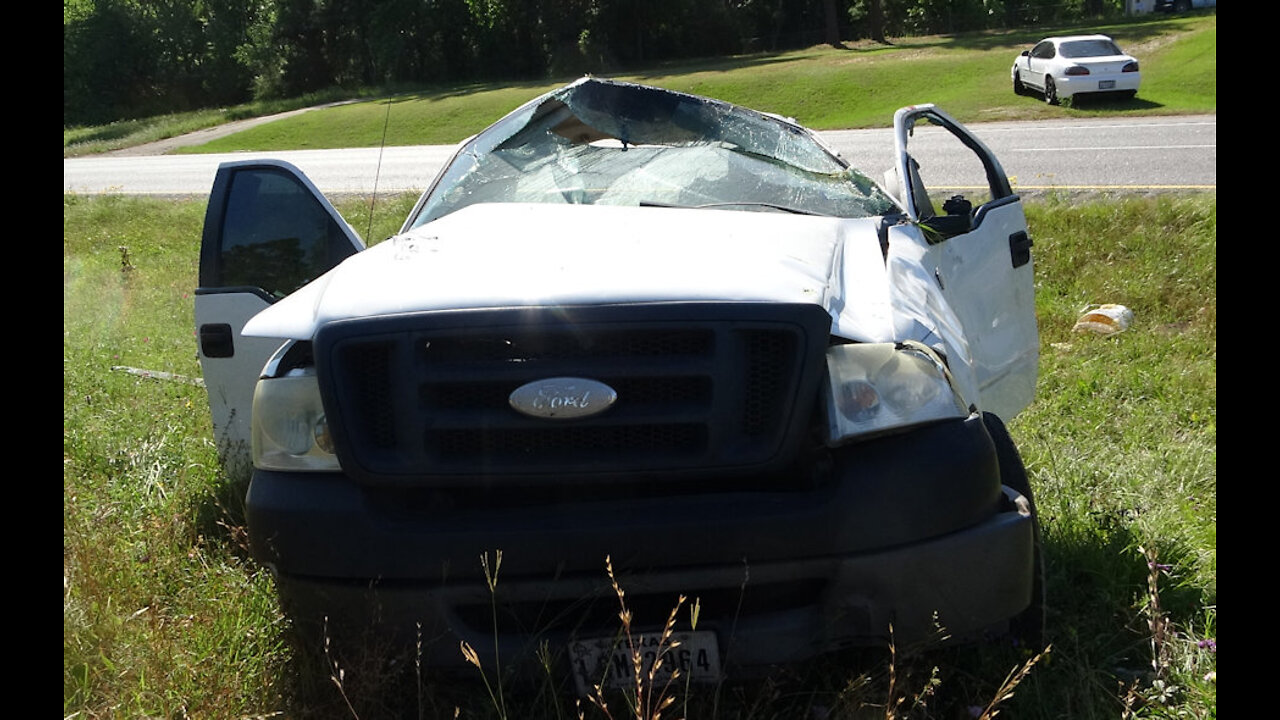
{"type": "Point", "coordinates": [635, 324]}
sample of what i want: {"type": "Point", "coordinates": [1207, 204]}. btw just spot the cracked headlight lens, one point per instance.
{"type": "Point", "coordinates": [873, 388]}
{"type": "Point", "coordinates": [290, 431]}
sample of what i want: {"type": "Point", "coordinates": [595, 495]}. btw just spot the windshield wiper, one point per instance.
{"type": "Point", "coordinates": [738, 203]}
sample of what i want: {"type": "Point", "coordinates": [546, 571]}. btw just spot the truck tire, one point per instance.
{"type": "Point", "coordinates": [1028, 627]}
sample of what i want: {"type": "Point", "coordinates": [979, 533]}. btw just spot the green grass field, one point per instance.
{"type": "Point", "coordinates": [822, 87]}
{"type": "Point", "coordinates": [165, 615]}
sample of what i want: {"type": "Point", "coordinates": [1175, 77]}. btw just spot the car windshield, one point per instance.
{"type": "Point", "coordinates": [1089, 48]}
{"type": "Point", "coordinates": [610, 143]}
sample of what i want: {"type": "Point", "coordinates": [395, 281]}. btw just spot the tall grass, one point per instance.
{"type": "Point", "coordinates": [162, 611]}
{"type": "Point", "coordinates": [165, 615]}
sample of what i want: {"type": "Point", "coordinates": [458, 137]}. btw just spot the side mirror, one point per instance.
{"type": "Point", "coordinates": [1026, 53]}
{"type": "Point", "coordinates": [957, 205]}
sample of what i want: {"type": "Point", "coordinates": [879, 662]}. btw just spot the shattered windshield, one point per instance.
{"type": "Point", "coordinates": [610, 143]}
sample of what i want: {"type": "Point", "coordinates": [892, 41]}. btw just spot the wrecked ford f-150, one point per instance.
{"type": "Point", "coordinates": [630, 323]}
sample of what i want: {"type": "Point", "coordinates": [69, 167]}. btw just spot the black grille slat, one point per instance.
{"type": "Point", "coordinates": [566, 346]}
{"type": "Point", "coordinates": [466, 396]}
{"type": "Point", "coordinates": [589, 442]}
{"type": "Point", "coordinates": [371, 382]}
{"type": "Point", "coordinates": [693, 392]}
{"type": "Point", "coordinates": [699, 387]}
{"type": "Point", "coordinates": [766, 381]}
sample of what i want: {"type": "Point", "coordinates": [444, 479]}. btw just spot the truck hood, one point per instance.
{"type": "Point", "coordinates": [515, 255]}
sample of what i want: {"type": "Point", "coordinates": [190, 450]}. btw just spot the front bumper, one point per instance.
{"type": "Point", "coordinates": [902, 530]}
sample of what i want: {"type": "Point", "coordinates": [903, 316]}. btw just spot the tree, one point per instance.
{"type": "Point", "coordinates": [832, 23]}
{"type": "Point", "coordinates": [875, 20]}
{"type": "Point", "coordinates": [107, 64]}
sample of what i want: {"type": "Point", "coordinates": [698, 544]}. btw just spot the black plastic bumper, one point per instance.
{"type": "Point", "coordinates": [904, 527]}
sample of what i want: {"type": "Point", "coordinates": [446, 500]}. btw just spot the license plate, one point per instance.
{"type": "Point", "coordinates": [1106, 84]}
{"type": "Point", "coordinates": [607, 662]}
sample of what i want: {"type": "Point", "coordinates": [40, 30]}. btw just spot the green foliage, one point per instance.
{"type": "Point", "coordinates": [165, 615]}
{"type": "Point", "coordinates": [125, 59]}
{"type": "Point", "coordinates": [822, 87]}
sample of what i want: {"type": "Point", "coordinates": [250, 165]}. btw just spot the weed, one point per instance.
{"type": "Point", "coordinates": [651, 696]}
{"type": "Point", "coordinates": [336, 673]}
{"type": "Point", "coordinates": [1011, 681]}
{"type": "Point", "coordinates": [469, 654]}
{"type": "Point", "coordinates": [1170, 646]}
{"type": "Point", "coordinates": [895, 701]}
{"type": "Point", "coordinates": [1157, 620]}
{"type": "Point", "coordinates": [695, 611]}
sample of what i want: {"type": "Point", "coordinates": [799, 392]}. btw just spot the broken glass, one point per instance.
{"type": "Point", "coordinates": [610, 143]}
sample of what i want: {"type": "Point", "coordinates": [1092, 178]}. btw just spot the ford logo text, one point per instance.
{"type": "Point", "coordinates": [563, 398]}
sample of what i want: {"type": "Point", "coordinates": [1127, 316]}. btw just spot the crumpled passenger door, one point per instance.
{"type": "Point", "coordinates": [974, 245]}
{"type": "Point", "coordinates": [267, 232]}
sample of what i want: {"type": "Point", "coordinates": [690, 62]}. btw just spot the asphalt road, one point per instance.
{"type": "Point", "coordinates": [1130, 154]}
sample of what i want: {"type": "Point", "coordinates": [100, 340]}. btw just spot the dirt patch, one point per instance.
{"type": "Point", "coordinates": [200, 137]}
{"type": "Point", "coordinates": [1149, 45]}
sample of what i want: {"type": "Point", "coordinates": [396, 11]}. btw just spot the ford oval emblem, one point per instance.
{"type": "Point", "coordinates": [563, 398]}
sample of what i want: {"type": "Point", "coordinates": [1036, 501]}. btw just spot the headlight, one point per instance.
{"type": "Point", "coordinates": [289, 427]}
{"type": "Point", "coordinates": [875, 387]}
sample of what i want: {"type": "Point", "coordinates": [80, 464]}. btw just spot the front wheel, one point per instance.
{"type": "Point", "coordinates": [1018, 87]}
{"type": "Point", "coordinates": [1050, 91]}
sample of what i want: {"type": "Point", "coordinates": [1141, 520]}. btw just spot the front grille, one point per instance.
{"type": "Point", "coordinates": [426, 395]}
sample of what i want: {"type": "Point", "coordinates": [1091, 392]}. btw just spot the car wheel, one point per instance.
{"type": "Point", "coordinates": [1028, 627]}
{"type": "Point", "coordinates": [1018, 87]}
{"type": "Point", "coordinates": [1050, 91]}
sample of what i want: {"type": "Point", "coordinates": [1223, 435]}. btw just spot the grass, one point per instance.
{"type": "Point", "coordinates": [79, 140]}
{"type": "Point", "coordinates": [149, 549]}
{"type": "Point", "coordinates": [165, 615]}
{"type": "Point", "coordinates": [857, 86]}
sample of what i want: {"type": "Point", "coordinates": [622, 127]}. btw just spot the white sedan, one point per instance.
{"type": "Point", "coordinates": [1063, 67]}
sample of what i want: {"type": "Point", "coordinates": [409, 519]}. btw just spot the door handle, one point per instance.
{"type": "Point", "coordinates": [216, 340]}
{"type": "Point", "coordinates": [1020, 248]}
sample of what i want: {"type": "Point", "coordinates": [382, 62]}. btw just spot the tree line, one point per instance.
{"type": "Point", "coordinates": [126, 59]}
